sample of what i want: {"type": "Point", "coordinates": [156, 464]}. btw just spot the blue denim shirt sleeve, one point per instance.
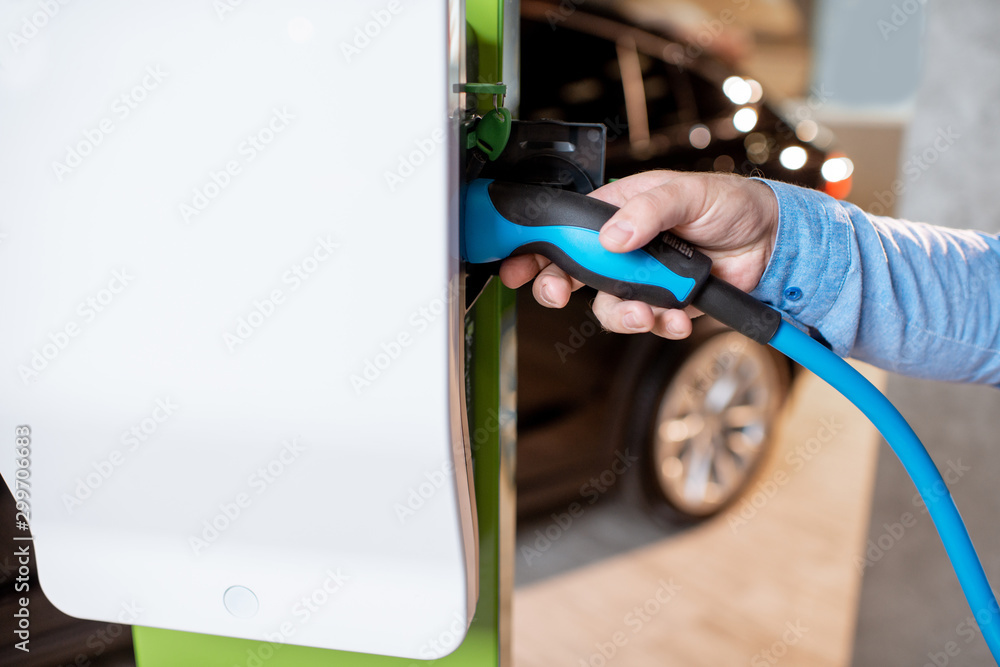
{"type": "Point", "coordinates": [908, 297]}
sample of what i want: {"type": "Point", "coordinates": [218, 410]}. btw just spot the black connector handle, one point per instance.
{"type": "Point", "coordinates": [503, 219]}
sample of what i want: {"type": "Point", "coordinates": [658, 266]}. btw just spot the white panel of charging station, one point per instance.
{"type": "Point", "coordinates": [230, 316]}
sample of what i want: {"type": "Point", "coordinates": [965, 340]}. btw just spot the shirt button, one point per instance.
{"type": "Point", "coordinates": [793, 294]}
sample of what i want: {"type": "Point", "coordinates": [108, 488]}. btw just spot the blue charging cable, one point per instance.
{"type": "Point", "coordinates": [501, 219]}
{"type": "Point", "coordinates": [918, 464]}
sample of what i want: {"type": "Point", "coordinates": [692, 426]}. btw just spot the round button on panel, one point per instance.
{"type": "Point", "coordinates": [240, 601]}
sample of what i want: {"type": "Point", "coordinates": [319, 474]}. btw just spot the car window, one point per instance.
{"type": "Point", "coordinates": [568, 75]}
{"type": "Point", "coordinates": [712, 102]}
{"type": "Point", "coordinates": [669, 98]}
{"type": "Point", "coordinates": [676, 95]}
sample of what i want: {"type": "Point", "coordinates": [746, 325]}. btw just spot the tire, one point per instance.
{"type": "Point", "coordinates": [707, 413]}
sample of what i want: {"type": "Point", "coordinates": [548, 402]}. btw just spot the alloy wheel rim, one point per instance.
{"type": "Point", "coordinates": [713, 422]}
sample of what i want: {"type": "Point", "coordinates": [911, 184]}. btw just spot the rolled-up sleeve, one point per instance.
{"type": "Point", "coordinates": [909, 297]}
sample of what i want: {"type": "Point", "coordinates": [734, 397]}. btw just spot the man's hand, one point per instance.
{"type": "Point", "coordinates": [731, 219]}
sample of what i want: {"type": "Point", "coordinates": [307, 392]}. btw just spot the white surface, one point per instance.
{"type": "Point", "coordinates": [150, 421]}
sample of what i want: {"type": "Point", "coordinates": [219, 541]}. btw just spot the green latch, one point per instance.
{"type": "Point", "coordinates": [493, 131]}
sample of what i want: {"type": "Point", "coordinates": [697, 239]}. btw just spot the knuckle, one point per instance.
{"type": "Point", "coordinates": [644, 207]}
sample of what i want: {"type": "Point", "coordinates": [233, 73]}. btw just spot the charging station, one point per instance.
{"type": "Point", "coordinates": [260, 409]}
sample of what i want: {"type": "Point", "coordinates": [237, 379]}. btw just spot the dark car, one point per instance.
{"type": "Point", "coordinates": [694, 416]}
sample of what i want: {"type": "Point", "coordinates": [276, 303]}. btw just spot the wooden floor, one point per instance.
{"type": "Point", "coordinates": [772, 582]}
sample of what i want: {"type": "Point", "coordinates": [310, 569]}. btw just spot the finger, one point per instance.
{"type": "Point", "coordinates": [516, 271]}
{"type": "Point", "coordinates": [651, 212]}
{"type": "Point", "coordinates": [553, 287]}
{"type": "Point", "coordinates": [623, 316]}
{"type": "Point", "coordinates": [673, 324]}
{"type": "Point", "coordinates": [620, 191]}
{"type": "Point", "coordinates": [637, 317]}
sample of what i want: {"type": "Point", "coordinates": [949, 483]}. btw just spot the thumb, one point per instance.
{"type": "Point", "coordinates": [649, 214]}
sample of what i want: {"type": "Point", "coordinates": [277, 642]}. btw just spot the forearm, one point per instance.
{"type": "Point", "coordinates": [913, 298]}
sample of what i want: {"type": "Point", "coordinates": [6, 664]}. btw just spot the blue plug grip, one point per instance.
{"type": "Point", "coordinates": [564, 227]}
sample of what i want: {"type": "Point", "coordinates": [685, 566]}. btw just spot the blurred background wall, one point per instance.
{"type": "Point", "coordinates": [912, 611]}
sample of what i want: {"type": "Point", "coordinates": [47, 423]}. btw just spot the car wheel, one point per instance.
{"type": "Point", "coordinates": [709, 422]}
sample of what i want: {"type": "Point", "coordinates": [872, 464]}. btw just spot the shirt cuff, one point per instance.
{"type": "Point", "coordinates": [811, 258]}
